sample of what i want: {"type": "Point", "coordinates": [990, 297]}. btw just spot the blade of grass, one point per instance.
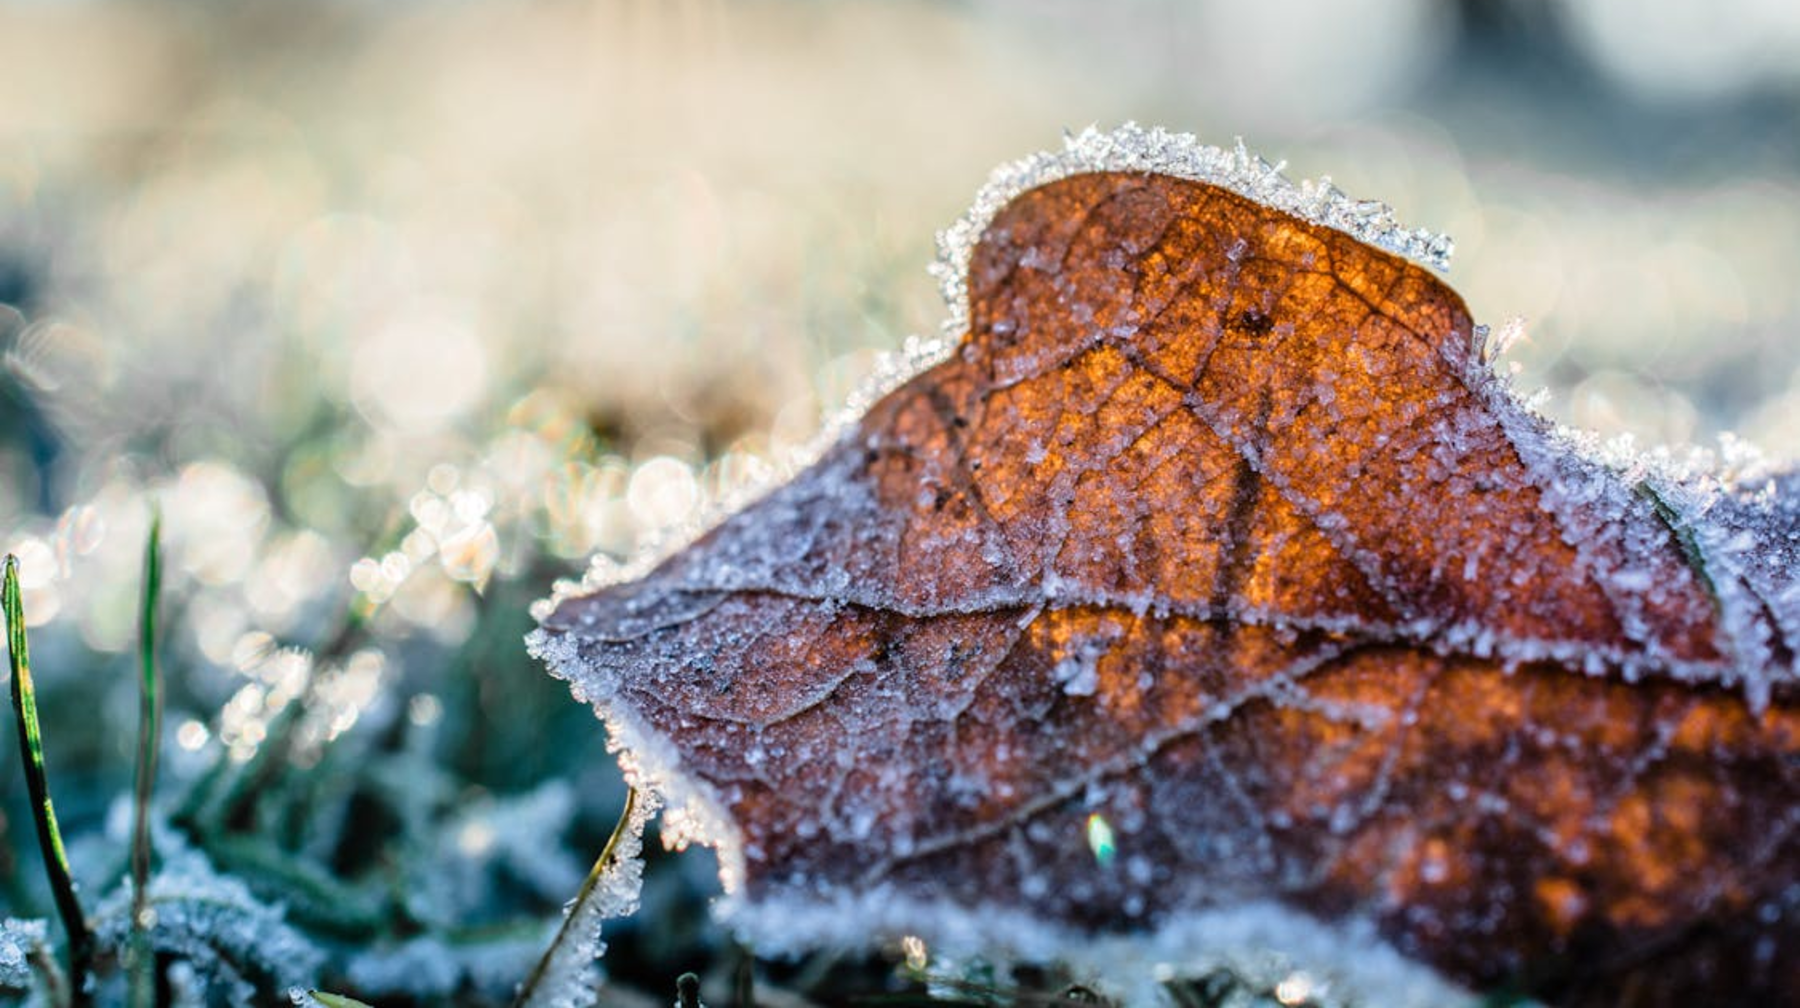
{"type": "Point", "coordinates": [31, 755]}
{"type": "Point", "coordinates": [141, 960]}
{"type": "Point", "coordinates": [602, 864]}
{"type": "Point", "coordinates": [335, 1000]}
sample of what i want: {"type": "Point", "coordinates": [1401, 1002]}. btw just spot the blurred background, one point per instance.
{"type": "Point", "coordinates": [403, 309]}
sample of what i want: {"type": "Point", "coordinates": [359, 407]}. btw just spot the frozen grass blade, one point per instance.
{"type": "Point", "coordinates": [528, 991]}
{"type": "Point", "coordinates": [332, 1000]}
{"type": "Point", "coordinates": [140, 959]}
{"type": "Point", "coordinates": [31, 756]}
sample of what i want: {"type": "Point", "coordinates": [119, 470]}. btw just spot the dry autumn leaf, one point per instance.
{"type": "Point", "coordinates": [1214, 586]}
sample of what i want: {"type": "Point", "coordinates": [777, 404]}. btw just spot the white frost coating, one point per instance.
{"type": "Point", "coordinates": [423, 967]}
{"type": "Point", "coordinates": [1742, 519]}
{"type": "Point", "coordinates": [1262, 942]}
{"type": "Point", "coordinates": [214, 922]}
{"type": "Point", "coordinates": [515, 828]}
{"type": "Point", "coordinates": [1734, 512]}
{"type": "Point", "coordinates": [892, 369]}
{"type": "Point", "coordinates": [1740, 513]}
{"type": "Point", "coordinates": [18, 940]}
{"type": "Point", "coordinates": [571, 977]}
{"type": "Point", "coordinates": [1133, 148]}
{"type": "Point", "coordinates": [1128, 148]}
{"type": "Point", "coordinates": [436, 971]}
{"type": "Point", "coordinates": [692, 810]}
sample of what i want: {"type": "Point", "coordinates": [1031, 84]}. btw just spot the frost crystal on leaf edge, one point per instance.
{"type": "Point", "coordinates": [1571, 464]}
{"type": "Point", "coordinates": [1133, 148]}
{"type": "Point", "coordinates": [1130, 148]}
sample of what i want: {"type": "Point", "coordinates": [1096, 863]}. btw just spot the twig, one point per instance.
{"type": "Point", "coordinates": [31, 753]}
{"type": "Point", "coordinates": [140, 961]}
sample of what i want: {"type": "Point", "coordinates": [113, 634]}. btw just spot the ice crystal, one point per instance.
{"type": "Point", "coordinates": [240, 948]}
{"type": "Point", "coordinates": [570, 975]}
{"type": "Point", "coordinates": [19, 941]}
{"type": "Point", "coordinates": [1134, 148]}
{"type": "Point", "coordinates": [1087, 571]}
{"type": "Point", "coordinates": [1128, 148]}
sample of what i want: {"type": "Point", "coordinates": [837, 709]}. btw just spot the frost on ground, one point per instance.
{"type": "Point", "coordinates": [20, 940]}
{"type": "Point", "coordinates": [235, 944]}
{"type": "Point", "coordinates": [1216, 538]}
{"type": "Point", "coordinates": [433, 969]}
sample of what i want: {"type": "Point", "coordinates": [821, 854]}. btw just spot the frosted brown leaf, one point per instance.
{"type": "Point", "coordinates": [1216, 531]}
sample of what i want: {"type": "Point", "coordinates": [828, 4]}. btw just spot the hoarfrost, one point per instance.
{"type": "Point", "coordinates": [884, 608]}
{"type": "Point", "coordinates": [423, 967]}
{"type": "Point", "coordinates": [1130, 148]}
{"type": "Point", "coordinates": [1260, 942]}
{"type": "Point", "coordinates": [321, 999]}
{"type": "Point", "coordinates": [240, 947]}
{"type": "Point", "coordinates": [510, 833]}
{"type": "Point", "coordinates": [434, 969]}
{"type": "Point", "coordinates": [570, 974]}
{"type": "Point", "coordinates": [1133, 148]}
{"type": "Point", "coordinates": [19, 941]}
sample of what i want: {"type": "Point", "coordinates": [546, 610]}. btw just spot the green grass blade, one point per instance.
{"type": "Point", "coordinates": [602, 864]}
{"type": "Point", "coordinates": [140, 958]}
{"type": "Point", "coordinates": [31, 753]}
{"type": "Point", "coordinates": [336, 1000]}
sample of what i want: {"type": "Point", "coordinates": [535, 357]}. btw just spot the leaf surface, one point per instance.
{"type": "Point", "coordinates": [1216, 529]}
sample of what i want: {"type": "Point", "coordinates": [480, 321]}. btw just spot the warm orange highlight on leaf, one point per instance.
{"type": "Point", "coordinates": [1215, 526]}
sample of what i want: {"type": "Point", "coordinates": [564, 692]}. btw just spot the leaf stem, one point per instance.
{"type": "Point", "coordinates": [140, 959]}
{"type": "Point", "coordinates": [31, 753]}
